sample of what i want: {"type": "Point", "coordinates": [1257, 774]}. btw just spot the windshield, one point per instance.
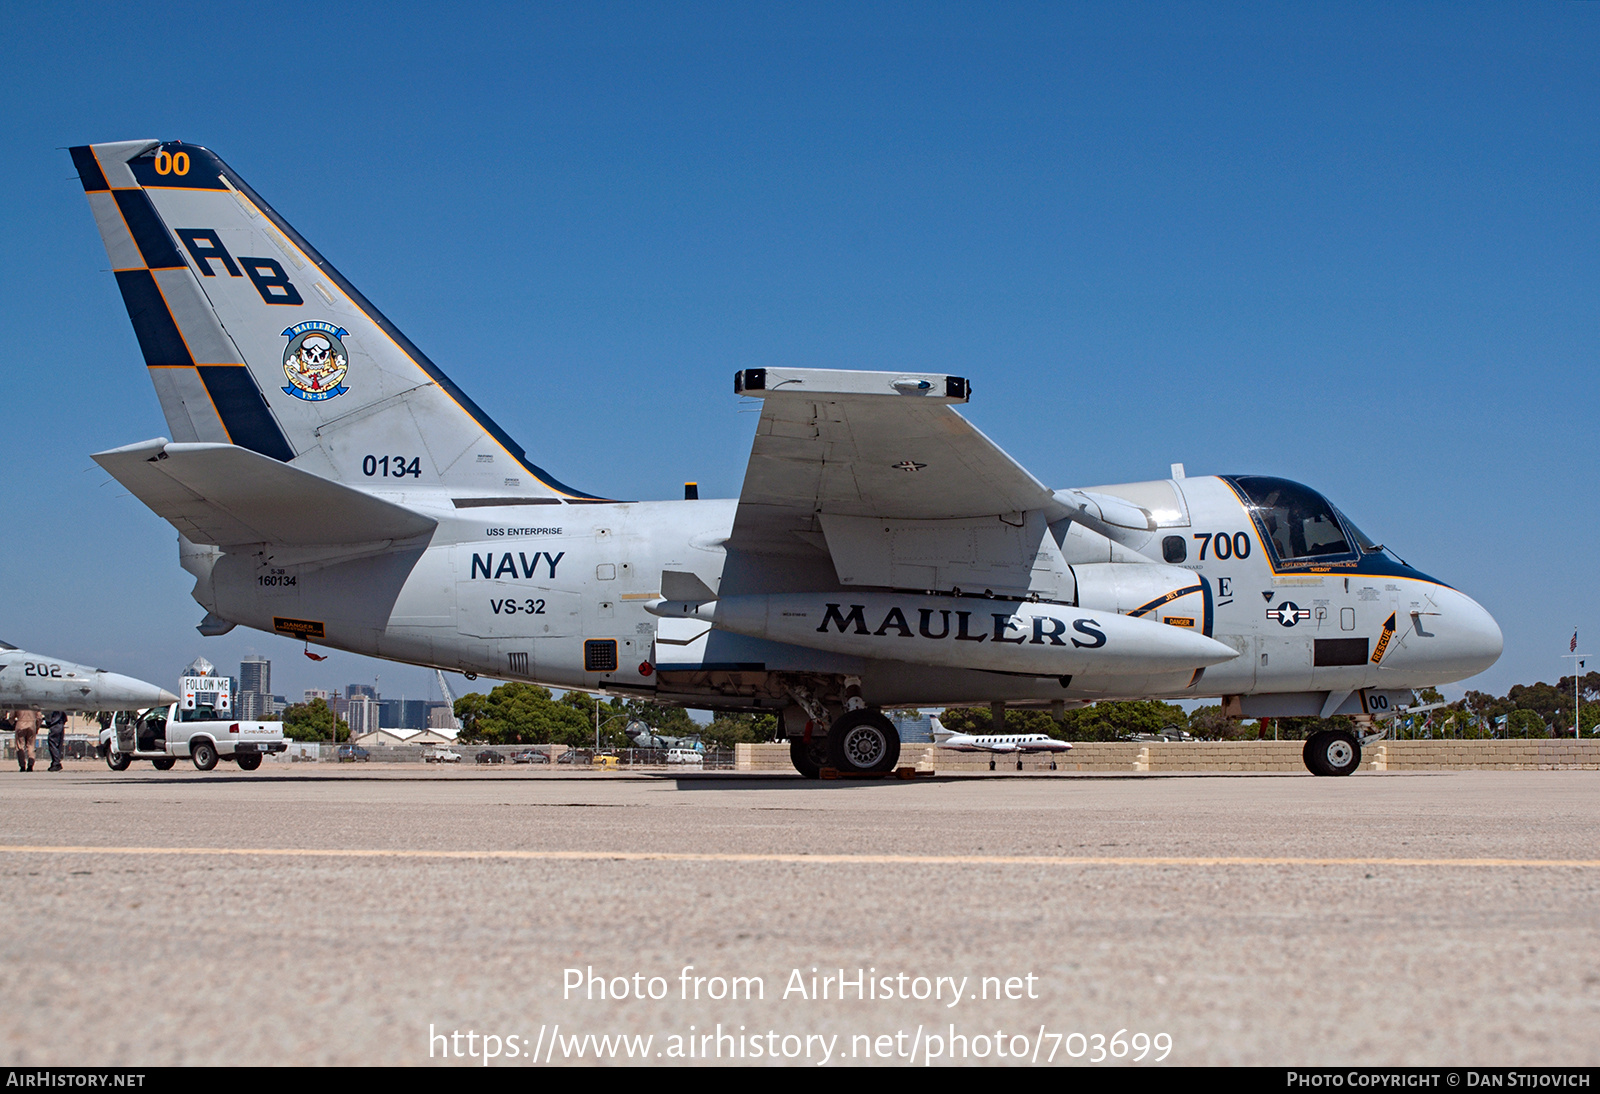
{"type": "Point", "coordinates": [1362, 539]}
{"type": "Point", "coordinates": [1297, 522]}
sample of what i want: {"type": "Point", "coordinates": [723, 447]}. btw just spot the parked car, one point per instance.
{"type": "Point", "coordinates": [530, 756]}
{"type": "Point", "coordinates": [684, 756]}
{"type": "Point", "coordinates": [490, 756]}
{"type": "Point", "coordinates": [606, 762]}
{"type": "Point", "coordinates": [353, 753]}
{"type": "Point", "coordinates": [441, 756]}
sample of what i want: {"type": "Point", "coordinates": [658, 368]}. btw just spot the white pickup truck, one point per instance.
{"type": "Point", "coordinates": [164, 734]}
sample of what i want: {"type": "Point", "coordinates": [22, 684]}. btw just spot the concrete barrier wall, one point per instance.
{"type": "Point", "coordinates": [1517, 755]}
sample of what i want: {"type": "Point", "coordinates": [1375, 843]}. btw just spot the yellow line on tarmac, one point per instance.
{"type": "Point", "coordinates": [798, 859]}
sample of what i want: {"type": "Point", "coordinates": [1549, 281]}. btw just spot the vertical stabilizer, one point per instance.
{"type": "Point", "coordinates": [252, 338]}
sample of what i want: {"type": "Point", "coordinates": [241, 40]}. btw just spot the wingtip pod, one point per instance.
{"type": "Point", "coordinates": [962, 632]}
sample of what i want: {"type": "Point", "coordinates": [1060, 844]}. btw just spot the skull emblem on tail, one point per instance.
{"type": "Point", "coordinates": [315, 361]}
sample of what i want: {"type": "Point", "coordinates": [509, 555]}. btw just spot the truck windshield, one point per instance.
{"type": "Point", "coordinates": [203, 713]}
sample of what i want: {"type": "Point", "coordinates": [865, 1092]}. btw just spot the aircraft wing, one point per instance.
{"type": "Point", "coordinates": [223, 494]}
{"type": "Point", "coordinates": [883, 445]}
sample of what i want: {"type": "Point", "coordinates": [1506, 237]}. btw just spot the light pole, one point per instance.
{"type": "Point", "coordinates": [598, 723]}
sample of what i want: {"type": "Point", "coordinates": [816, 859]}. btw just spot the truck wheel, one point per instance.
{"type": "Point", "coordinates": [204, 754]}
{"type": "Point", "coordinates": [1332, 752]}
{"type": "Point", "coordinates": [808, 758]}
{"type": "Point", "coordinates": [863, 741]}
{"type": "Point", "coordinates": [116, 761]}
{"type": "Point", "coordinates": [164, 764]}
{"type": "Point", "coordinates": [249, 763]}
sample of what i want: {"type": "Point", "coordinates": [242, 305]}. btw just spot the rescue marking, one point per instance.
{"type": "Point", "coordinates": [1383, 642]}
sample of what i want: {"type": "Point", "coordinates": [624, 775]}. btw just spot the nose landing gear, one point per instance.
{"type": "Point", "coordinates": [1332, 752]}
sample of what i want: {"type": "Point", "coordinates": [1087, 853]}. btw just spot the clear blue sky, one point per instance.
{"type": "Point", "coordinates": [1350, 244]}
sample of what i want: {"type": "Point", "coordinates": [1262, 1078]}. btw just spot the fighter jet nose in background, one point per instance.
{"type": "Point", "coordinates": [116, 690]}
{"type": "Point", "coordinates": [35, 681]}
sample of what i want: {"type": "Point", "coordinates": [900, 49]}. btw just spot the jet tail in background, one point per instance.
{"type": "Point", "coordinates": [253, 339]}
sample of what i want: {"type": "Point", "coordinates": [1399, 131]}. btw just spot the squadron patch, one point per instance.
{"type": "Point", "coordinates": [315, 361]}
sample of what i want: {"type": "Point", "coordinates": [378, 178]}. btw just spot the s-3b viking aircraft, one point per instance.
{"type": "Point", "coordinates": [329, 482]}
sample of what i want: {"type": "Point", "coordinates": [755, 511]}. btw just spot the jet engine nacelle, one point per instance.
{"type": "Point", "coordinates": [1153, 591]}
{"type": "Point", "coordinates": [1038, 639]}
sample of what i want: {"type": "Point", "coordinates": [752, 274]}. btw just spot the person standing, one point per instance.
{"type": "Point", "coordinates": [55, 728]}
{"type": "Point", "coordinates": [27, 729]}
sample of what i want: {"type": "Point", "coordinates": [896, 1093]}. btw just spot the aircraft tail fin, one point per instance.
{"type": "Point", "coordinates": [253, 339]}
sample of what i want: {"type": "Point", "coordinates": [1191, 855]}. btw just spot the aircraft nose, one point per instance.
{"type": "Point", "coordinates": [117, 691]}
{"type": "Point", "coordinates": [1471, 640]}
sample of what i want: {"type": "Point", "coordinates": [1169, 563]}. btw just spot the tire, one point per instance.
{"type": "Point", "coordinates": [1332, 753]}
{"type": "Point", "coordinates": [249, 762]}
{"type": "Point", "coordinates": [863, 742]}
{"type": "Point", "coordinates": [204, 754]}
{"type": "Point", "coordinates": [117, 761]}
{"type": "Point", "coordinates": [164, 764]}
{"type": "Point", "coordinates": [808, 758]}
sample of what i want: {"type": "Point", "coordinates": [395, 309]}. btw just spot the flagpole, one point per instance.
{"type": "Point", "coordinates": [1577, 704]}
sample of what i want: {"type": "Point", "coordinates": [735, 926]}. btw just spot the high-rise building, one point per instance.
{"type": "Point", "coordinates": [255, 688]}
{"type": "Point", "coordinates": [361, 714]}
{"type": "Point", "coordinates": [403, 713]}
{"type": "Point", "coordinates": [316, 693]}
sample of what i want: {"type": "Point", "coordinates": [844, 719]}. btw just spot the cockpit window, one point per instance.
{"type": "Point", "coordinates": [1297, 521]}
{"type": "Point", "coordinates": [1362, 539]}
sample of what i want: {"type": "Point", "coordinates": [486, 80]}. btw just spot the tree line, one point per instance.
{"type": "Point", "coordinates": [518, 713]}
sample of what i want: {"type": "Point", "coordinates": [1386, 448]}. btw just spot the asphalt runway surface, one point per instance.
{"type": "Point", "coordinates": [313, 914]}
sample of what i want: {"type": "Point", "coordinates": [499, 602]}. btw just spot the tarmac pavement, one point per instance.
{"type": "Point", "coordinates": [321, 914]}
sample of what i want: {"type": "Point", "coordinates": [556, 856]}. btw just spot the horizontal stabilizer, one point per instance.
{"type": "Point", "coordinates": [224, 495]}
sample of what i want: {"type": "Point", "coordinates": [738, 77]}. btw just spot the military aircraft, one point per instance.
{"type": "Point", "coordinates": [643, 736]}
{"type": "Point", "coordinates": [30, 681]}
{"type": "Point", "coordinates": [329, 482]}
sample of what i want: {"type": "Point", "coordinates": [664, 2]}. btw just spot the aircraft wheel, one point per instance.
{"type": "Point", "coordinates": [862, 742]}
{"type": "Point", "coordinates": [249, 762]}
{"type": "Point", "coordinates": [204, 754]}
{"type": "Point", "coordinates": [117, 761]}
{"type": "Point", "coordinates": [808, 758]}
{"type": "Point", "coordinates": [1332, 752]}
{"type": "Point", "coordinates": [164, 764]}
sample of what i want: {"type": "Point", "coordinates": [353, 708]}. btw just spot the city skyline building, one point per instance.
{"type": "Point", "coordinates": [255, 688]}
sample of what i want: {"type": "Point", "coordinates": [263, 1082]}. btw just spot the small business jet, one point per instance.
{"type": "Point", "coordinates": [998, 743]}
{"type": "Point", "coordinates": [329, 482]}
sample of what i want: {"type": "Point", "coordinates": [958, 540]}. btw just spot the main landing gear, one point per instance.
{"type": "Point", "coordinates": [863, 742]}
{"type": "Point", "coordinates": [860, 742]}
